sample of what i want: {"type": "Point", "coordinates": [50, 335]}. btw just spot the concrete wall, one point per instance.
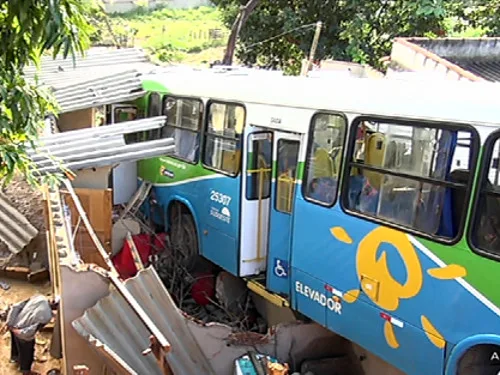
{"type": "Point", "coordinates": [122, 6]}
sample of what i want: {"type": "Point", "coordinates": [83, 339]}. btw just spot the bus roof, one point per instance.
{"type": "Point", "coordinates": [442, 100]}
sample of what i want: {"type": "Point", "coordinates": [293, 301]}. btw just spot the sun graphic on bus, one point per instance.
{"type": "Point", "coordinates": [382, 288]}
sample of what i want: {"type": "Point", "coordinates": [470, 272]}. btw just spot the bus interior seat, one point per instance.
{"type": "Point", "coordinates": [323, 164]}
{"type": "Point", "coordinates": [374, 156]}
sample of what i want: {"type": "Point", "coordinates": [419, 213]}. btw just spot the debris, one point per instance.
{"type": "Point", "coordinates": [277, 368]}
{"type": "Point", "coordinates": [80, 370]}
{"type": "Point", "coordinates": [119, 233]}
{"type": "Point", "coordinates": [329, 366]}
{"type": "Point", "coordinates": [124, 261]}
{"type": "Point", "coordinates": [230, 290]}
{"type": "Point", "coordinates": [17, 273]}
{"type": "Point", "coordinates": [194, 293]}
{"type": "Point", "coordinates": [258, 364]}
{"type": "Point", "coordinates": [39, 275]}
{"type": "Point", "coordinates": [4, 285]}
{"type": "Point", "coordinates": [139, 265]}
{"type": "Point", "coordinates": [203, 289]}
{"type": "Point", "coordinates": [42, 359]}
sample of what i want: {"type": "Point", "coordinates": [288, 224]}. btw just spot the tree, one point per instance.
{"type": "Point", "coordinates": [29, 29]}
{"type": "Point", "coordinates": [240, 21]}
{"type": "Point", "coordinates": [355, 30]}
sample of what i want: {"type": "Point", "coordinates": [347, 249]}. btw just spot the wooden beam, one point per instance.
{"type": "Point", "coordinates": [135, 253]}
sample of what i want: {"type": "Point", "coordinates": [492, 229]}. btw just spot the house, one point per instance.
{"type": "Point", "coordinates": [471, 59]}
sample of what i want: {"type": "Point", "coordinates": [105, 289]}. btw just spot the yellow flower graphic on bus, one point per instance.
{"type": "Point", "coordinates": [379, 284]}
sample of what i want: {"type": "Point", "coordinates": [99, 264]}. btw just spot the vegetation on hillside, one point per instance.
{"type": "Point", "coordinates": [169, 34]}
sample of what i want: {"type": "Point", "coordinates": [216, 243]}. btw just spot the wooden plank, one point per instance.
{"type": "Point", "coordinates": [135, 253]}
{"type": "Point", "coordinates": [17, 273]}
{"type": "Point", "coordinates": [97, 204]}
{"type": "Point", "coordinates": [38, 276]}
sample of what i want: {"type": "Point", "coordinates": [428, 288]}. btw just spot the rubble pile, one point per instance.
{"type": "Point", "coordinates": [208, 294]}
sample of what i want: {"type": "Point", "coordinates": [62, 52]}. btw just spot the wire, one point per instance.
{"type": "Point", "coordinates": [280, 35]}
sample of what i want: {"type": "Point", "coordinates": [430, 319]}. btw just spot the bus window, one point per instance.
{"type": "Point", "coordinates": [222, 150]}
{"type": "Point", "coordinates": [288, 153]}
{"type": "Point", "coordinates": [259, 166]}
{"type": "Point", "coordinates": [486, 225]}
{"type": "Point", "coordinates": [323, 158]}
{"type": "Point", "coordinates": [406, 175]}
{"type": "Point", "coordinates": [184, 118]}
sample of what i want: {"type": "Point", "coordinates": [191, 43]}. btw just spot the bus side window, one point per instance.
{"type": "Point", "coordinates": [184, 117]}
{"type": "Point", "coordinates": [406, 176]}
{"type": "Point", "coordinates": [288, 154]}
{"type": "Point", "coordinates": [486, 225]}
{"type": "Point", "coordinates": [222, 150]}
{"type": "Point", "coordinates": [324, 156]}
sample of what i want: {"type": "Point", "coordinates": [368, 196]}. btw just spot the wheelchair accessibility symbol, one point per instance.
{"type": "Point", "coordinates": [280, 268]}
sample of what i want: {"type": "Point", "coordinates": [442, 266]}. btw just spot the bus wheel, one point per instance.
{"type": "Point", "coordinates": [482, 359]}
{"type": "Point", "coordinates": [183, 237]}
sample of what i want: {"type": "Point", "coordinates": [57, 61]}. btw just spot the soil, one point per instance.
{"type": "Point", "coordinates": [29, 202]}
{"type": "Point", "coordinates": [19, 291]}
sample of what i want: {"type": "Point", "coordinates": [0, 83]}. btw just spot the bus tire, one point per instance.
{"type": "Point", "coordinates": [183, 236]}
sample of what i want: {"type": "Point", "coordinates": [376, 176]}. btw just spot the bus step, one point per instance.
{"type": "Point", "coordinates": [255, 286]}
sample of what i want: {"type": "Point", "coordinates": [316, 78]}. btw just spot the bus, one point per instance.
{"type": "Point", "coordinates": [370, 206]}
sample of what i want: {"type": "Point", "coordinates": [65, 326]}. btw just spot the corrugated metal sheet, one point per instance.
{"type": "Point", "coordinates": [487, 69]}
{"type": "Point", "coordinates": [97, 147]}
{"type": "Point", "coordinates": [93, 58]}
{"type": "Point", "coordinates": [102, 76]}
{"type": "Point", "coordinates": [113, 323]}
{"type": "Point", "coordinates": [474, 59]}
{"type": "Point", "coordinates": [114, 88]}
{"type": "Point", "coordinates": [15, 231]}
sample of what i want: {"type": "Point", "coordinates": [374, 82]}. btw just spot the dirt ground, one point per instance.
{"type": "Point", "coordinates": [43, 362]}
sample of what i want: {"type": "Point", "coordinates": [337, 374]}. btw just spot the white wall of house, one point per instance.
{"type": "Point", "coordinates": [121, 6]}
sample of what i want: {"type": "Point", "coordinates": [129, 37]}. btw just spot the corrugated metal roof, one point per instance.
{"type": "Point", "coordinates": [487, 69]}
{"type": "Point", "coordinates": [102, 76]}
{"type": "Point", "coordinates": [15, 231]}
{"type": "Point", "coordinates": [93, 58]}
{"type": "Point", "coordinates": [109, 89]}
{"type": "Point", "coordinates": [97, 147]}
{"type": "Point", "coordinates": [114, 324]}
{"type": "Point", "coordinates": [474, 59]}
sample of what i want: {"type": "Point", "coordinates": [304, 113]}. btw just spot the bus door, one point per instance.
{"type": "Point", "coordinates": [255, 201]}
{"type": "Point", "coordinates": [283, 190]}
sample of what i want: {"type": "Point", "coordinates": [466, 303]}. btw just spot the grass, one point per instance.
{"type": "Point", "coordinates": [188, 35]}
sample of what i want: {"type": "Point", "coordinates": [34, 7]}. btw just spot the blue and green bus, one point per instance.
{"type": "Point", "coordinates": [370, 206]}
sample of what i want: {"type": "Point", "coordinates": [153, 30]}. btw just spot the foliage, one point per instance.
{"type": "Point", "coordinates": [28, 29]}
{"type": "Point", "coordinates": [169, 34]}
{"type": "Point", "coordinates": [355, 30]}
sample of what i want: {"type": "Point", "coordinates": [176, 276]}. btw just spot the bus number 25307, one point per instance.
{"type": "Point", "coordinates": [220, 198]}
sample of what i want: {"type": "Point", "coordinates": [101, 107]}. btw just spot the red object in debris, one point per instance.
{"type": "Point", "coordinates": [203, 289]}
{"type": "Point", "coordinates": [124, 262]}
